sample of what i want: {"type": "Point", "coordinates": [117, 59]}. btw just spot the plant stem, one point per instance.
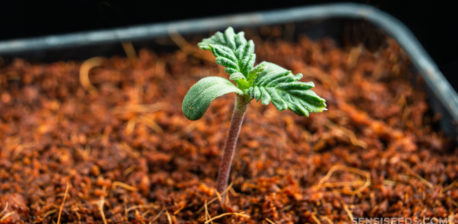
{"type": "Point", "coordinates": [241, 104]}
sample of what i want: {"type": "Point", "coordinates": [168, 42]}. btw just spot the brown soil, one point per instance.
{"type": "Point", "coordinates": [116, 148]}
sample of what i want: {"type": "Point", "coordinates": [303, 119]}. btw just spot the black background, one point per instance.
{"type": "Point", "coordinates": [434, 23]}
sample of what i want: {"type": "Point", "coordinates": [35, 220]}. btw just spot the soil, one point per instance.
{"type": "Point", "coordinates": [105, 141]}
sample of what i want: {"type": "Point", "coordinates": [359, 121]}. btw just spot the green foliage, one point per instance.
{"type": "Point", "coordinates": [267, 82]}
{"type": "Point", "coordinates": [231, 50]}
{"type": "Point", "coordinates": [202, 93]}
{"type": "Point", "coordinates": [279, 86]}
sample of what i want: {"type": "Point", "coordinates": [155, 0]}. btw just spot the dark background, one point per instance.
{"type": "Point", "coordinates": [434, 23]}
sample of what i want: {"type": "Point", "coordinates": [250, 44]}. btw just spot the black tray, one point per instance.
{"type": "Point", "coordinates": [315, 22]}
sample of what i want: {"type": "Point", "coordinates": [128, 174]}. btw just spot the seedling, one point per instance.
{"type": "Point", "coordinates": [267, 82]}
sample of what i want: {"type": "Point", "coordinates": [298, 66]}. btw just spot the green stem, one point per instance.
{"type": "Point", "coordinates": [241, 104]}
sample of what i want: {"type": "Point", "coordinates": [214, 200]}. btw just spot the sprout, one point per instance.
{"type": "Point", "coordinates": [266, 81]}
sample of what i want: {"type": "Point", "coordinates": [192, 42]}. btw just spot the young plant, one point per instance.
{"type": "Point", "coordinates": [267, 82]}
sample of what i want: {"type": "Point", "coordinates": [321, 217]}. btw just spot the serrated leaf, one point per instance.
{"type": "Point", "coordinates": [254, 73]}
{"type": "Point", "coordinates": [201, 94]}
{"type": "Point", "coordinates": [231, 50]}
{"type": "Point", "coordinates": [281, 87]}
{"type": "Point", "coordinates": [237, 76]}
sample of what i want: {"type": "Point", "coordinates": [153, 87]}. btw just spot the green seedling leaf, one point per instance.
{"type": "Point", "coordinates": [240, 80]}
{"type": "Point", "coordinates": [267, 82]}
{"type": "Point", "coordinates": [202, 93]}
{"type": "Point", "coordinates": [231, 50]}
{"type": "Point", "coordinates": [281, 87]}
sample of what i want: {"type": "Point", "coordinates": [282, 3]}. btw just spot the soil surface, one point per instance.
{"type": "Point", "coordinates": [105, 141]}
